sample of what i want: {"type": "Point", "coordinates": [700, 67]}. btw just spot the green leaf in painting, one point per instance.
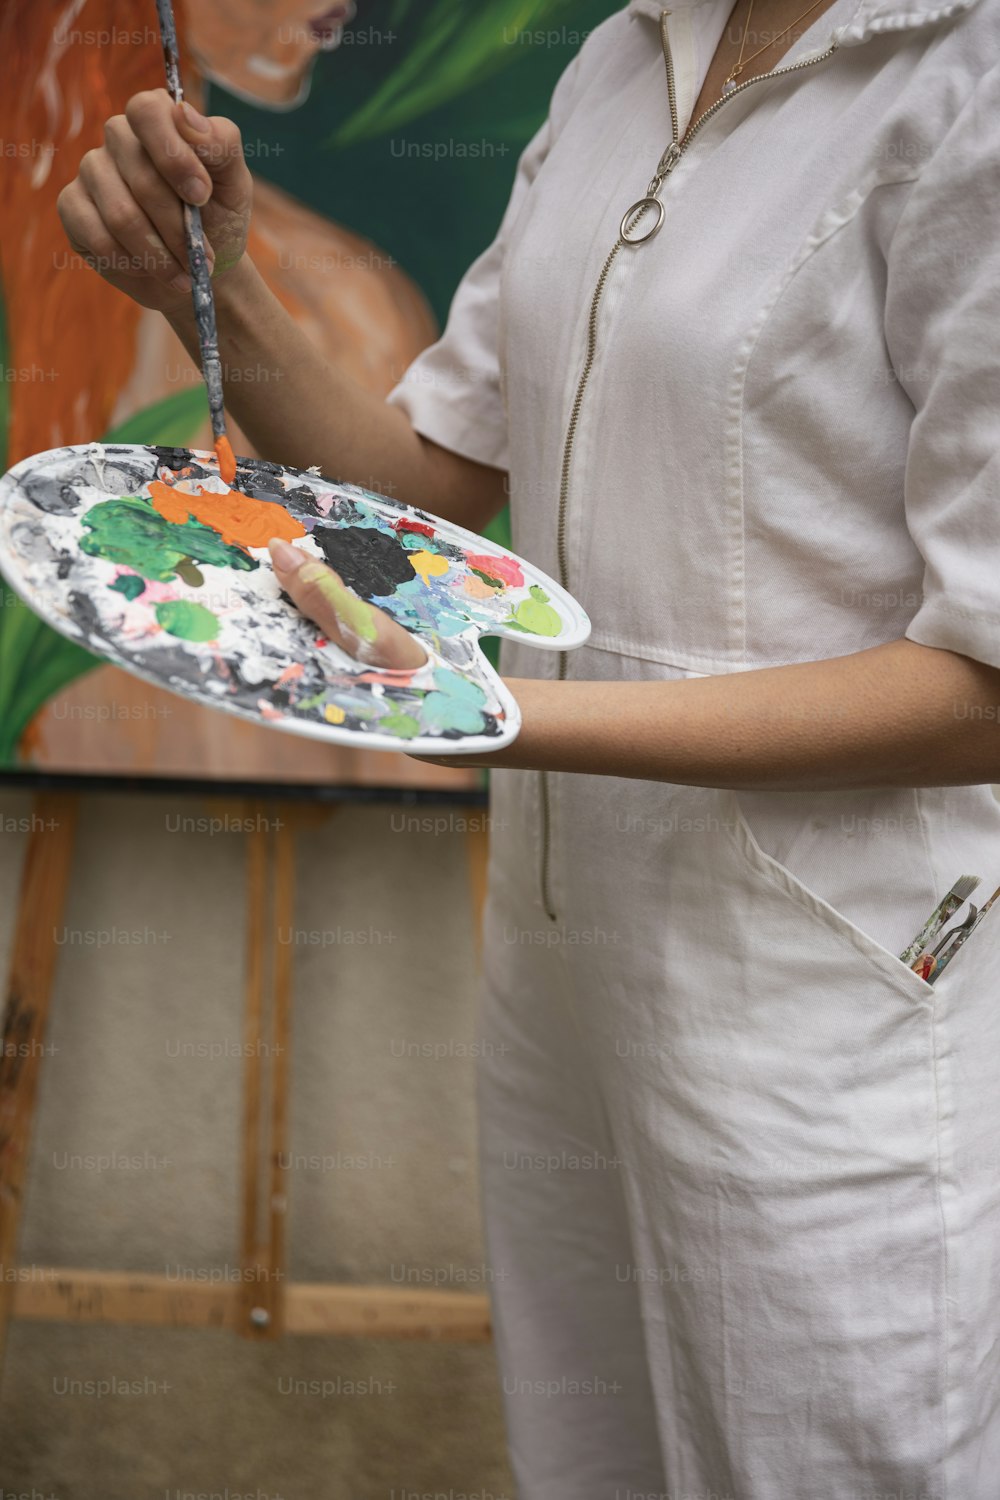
{"type": "Point", "coordinates": [453, 50]}
{"type": "Point", "coordinates": [171, 422]}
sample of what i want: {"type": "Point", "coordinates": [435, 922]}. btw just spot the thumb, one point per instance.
{"type": "Point", "coordinates": [367, 633]}
{"type": "Point", "coordinates": [218, 144]}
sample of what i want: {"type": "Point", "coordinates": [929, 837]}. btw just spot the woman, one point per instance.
{"type": "Point", "coordinates": [739, 1161]}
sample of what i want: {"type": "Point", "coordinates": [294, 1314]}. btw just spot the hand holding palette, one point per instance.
{"type": "Point", "coordinates": [146, 557]}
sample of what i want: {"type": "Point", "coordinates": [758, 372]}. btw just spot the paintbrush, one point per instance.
{"type": "Point", "coordinates": [959, 893]}
{"type": "Point", "coordinates": [201, 282]}
{"type": "Point", "coordinates": [963, 934]}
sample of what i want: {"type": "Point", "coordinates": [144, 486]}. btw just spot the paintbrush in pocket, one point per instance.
{"type": "Point", "coordinates": [947, 907]}
{"type": "Point", "coordinates": [961, 936]}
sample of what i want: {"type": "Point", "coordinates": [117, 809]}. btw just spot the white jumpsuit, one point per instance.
{"type": "Point", "coordinates": [740, 1166]}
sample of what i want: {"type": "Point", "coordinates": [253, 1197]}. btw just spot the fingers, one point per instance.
{"type": "Point", "coordinates": [156, 197]}
{"type": "Point", "coordinates": [85, 229]}
{"type": "Point", "coordinates": [153, 120]}
{"type": "Point", "coordinates": [91, 239]}
{"type": "Point", "coordinates": [356, 626]}
{"type": "Point", "coordinates": [142, 250]}
{"type": "Point", "coordinates": [122, 215]}
{"type": "Point", "coordinates": [199, 156]}
{"type": "Point", "coordinates": [217, 142]}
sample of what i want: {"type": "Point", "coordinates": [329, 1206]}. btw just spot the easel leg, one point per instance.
{"type": "Point", "coordinates": [26, 1012]}
{"type": "Point", "coordinates": [267, 1036]}
{"type": "Point", "coordinates": [478, 847]}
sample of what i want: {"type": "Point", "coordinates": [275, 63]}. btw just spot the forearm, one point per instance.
{"type": "Point", "coordinates": [901, 714]}
{"type": "Point", "coordinates": [306, 412]}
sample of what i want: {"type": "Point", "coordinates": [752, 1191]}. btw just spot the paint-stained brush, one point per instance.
{"type": "Point", "coordinates": [959, 893]}
{"type": "Point", "coordinates": [963, 934]}
{"type": "Point", "coordinates": [201, 290]}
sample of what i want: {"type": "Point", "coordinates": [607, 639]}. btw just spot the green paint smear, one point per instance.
{"type": "Point", "coordinates": [404, 726]}
{"type": "Point", "coordinates": [416, 541]}
{"type": "Point", "coordinates": [129, 531]}
{"type": "Point", "coordinates": [192, 622]}
{"type": "Point", "coordinates": [128, 584]}
{"type": "Point", "coordinates": [174, 421]}
{"type": "Point", "coordinates": [355, 613]}
{"type": "Point", "coordinates": [488, 579]}
{"type": "Point", "coordinates": [313, 702]}
{"type": "Point", "coordinates": [535, 616]}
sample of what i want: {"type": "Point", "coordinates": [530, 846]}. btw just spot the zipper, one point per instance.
{"type": "Point", "coordinates": [631, 221]}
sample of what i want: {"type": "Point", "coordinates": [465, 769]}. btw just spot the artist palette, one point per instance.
{"type": "Point", "coordinates": [145, 557]}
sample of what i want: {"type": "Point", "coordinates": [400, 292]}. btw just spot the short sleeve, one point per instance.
{"type": "Point", "coordinates": [452, 392]}
{"type": "Point", "coordinates": [942, 329]}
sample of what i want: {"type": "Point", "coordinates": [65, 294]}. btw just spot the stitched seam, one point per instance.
{"type": "Point", "coordinates": [921, 796]}
{"type": "Point", "coordinates": [733, 443]}
{"type": "Point", "coordinates": [944, 1352]}
{"type": "Point", "coordinates": [964, 614]}
{"type": "Point", "coordinates": [919, 799]}
{"type": "Point", "coordinates": [612, 645]}
{"type": "Point", "coordinates": [944, 1349]}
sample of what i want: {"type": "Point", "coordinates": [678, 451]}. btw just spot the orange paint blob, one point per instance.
{"type": "Point", "coordinates": [238, 518]}
{"type": "Point", "coordinates": [227, 459]}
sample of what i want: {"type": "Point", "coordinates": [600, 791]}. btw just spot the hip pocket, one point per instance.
{"type": "Point", "coordinates": [899, 885]}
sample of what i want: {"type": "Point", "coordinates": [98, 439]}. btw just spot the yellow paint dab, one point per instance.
{"type": "Point", "coordinates": [333, 714]}
{"type": "Point", "coordinates": [428, 564]}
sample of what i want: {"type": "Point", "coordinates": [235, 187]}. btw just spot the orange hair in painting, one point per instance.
{"type": "Point", "coordinates": [70, 337]}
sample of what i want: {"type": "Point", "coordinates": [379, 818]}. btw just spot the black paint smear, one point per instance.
{"type": "Point", "coordinates": [303, 500]}
{"type": "Point", "coordinates": [263, 466]}
{"type": "Point", "coordinates": [48, 493]}
{"type": "Point", "coordinates": [260, 487]}
{"type": "Point", "coordinates": [451, 550]}
{"type": "Point", "coordinates": [491, 726]}
{"type": "Point", "coordinates": [173, 663]}
{"type": "Point", "coordinates": [86, 616]}
{"type": "Point", "coordinates": [179, 458]}
{"type": "Point", "coordinates": [373, 563]}
{"type": "Point", "coordinates": [261, 483]}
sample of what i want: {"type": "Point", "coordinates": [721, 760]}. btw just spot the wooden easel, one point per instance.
{"type": "Point", "coordinates": [262, 1305]}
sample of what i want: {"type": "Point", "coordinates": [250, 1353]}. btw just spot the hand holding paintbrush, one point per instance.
{"type": "Point", "coordinates": [201, 290]}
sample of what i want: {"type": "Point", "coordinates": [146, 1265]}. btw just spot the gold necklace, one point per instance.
{"type": "Point", "coordinates": [730, 82]}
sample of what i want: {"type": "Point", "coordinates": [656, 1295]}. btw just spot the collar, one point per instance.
{"type": "Point", "coordinates": [869, 18]}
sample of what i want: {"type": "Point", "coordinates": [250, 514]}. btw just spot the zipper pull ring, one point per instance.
{"type": "Point", "coordinates": [634, 216]}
